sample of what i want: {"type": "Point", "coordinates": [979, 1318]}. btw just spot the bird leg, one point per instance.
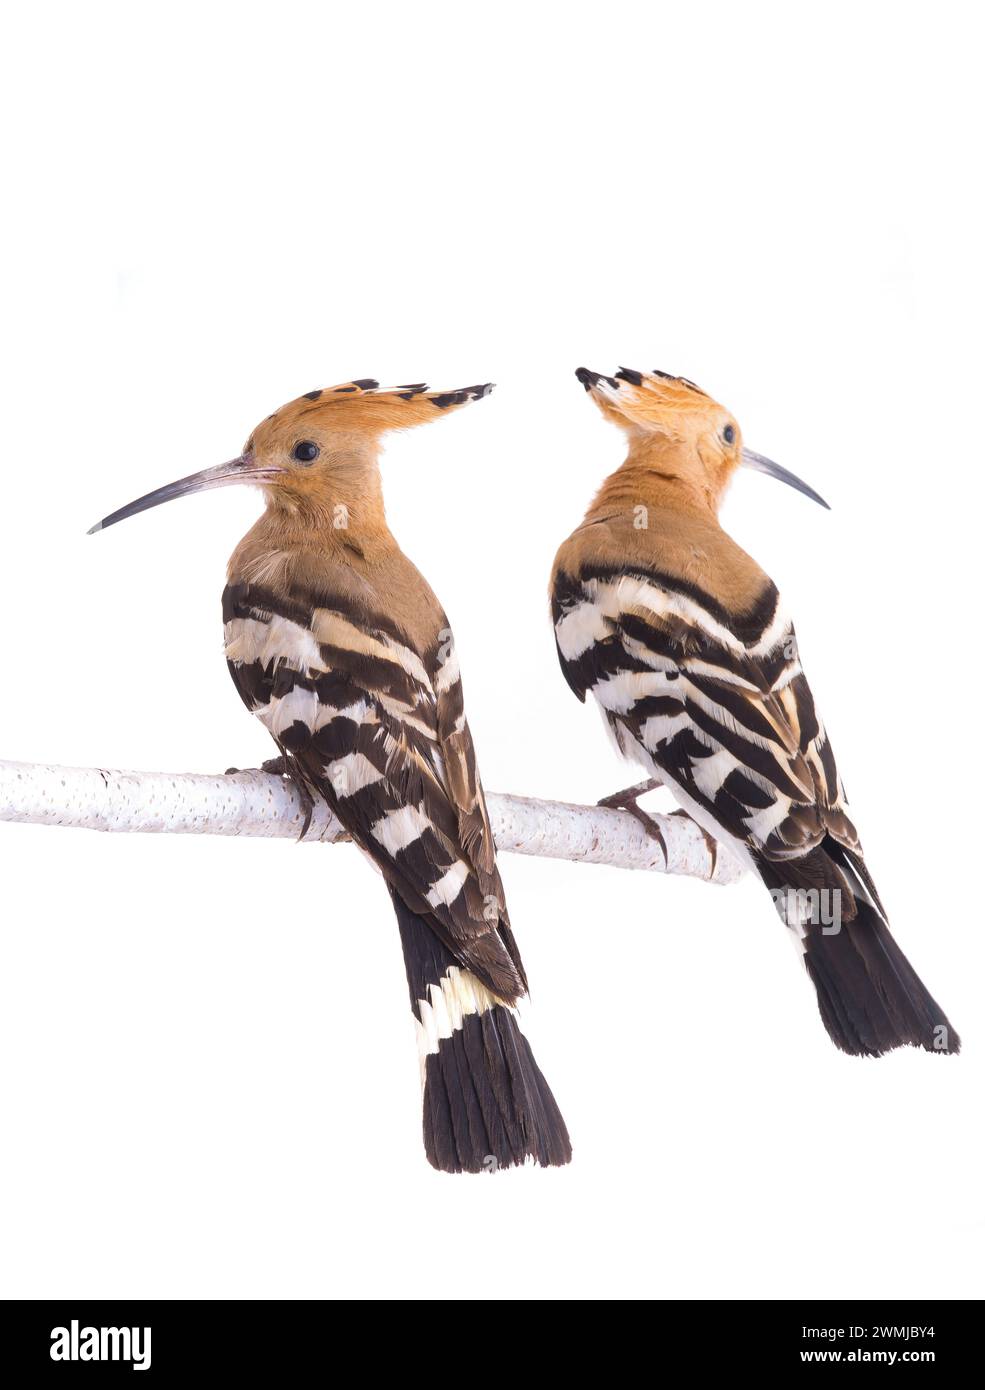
{"type": "Point", "coordinates": [629, 796]}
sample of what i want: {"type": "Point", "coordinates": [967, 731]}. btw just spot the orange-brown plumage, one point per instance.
{"type": "Point", "coordinates": [336, 642]}
{"type": "Point", "coordinates": [684, 643]}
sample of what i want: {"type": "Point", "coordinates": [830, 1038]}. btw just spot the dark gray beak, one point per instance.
{"type": "Point", "coordinates": [241, 470]}
{"type": "Point", "coordinates": [759, 464]}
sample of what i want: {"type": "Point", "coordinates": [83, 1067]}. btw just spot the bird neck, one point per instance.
{"type": "Point", "coordinates": [340, 507]}
{"type": "Point", "coordinates": [660, 472]}
{"type": "Point", "coordinates": [316, 525]}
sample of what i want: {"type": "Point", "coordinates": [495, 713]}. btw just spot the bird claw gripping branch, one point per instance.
{"type": "Point", "coordinates": [685, 645]}
{"type": "Point", "coordinates": [281, 767]}
{"type": "Point", "coordinates": [628, 800]}
{"type": "Point", "coordinates": [337, 644]}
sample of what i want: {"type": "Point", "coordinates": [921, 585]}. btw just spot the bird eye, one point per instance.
{"type": "Point", "coordinates": [305, 451]}
{"type": "Point", "coordinates": [728, 434]}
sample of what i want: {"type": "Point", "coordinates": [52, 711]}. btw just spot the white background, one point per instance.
{"type": "Point", "coordinates": [208, 1084]}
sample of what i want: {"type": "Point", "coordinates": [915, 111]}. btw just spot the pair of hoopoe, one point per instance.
{"type": "Point", "coordinates": [336, 642]}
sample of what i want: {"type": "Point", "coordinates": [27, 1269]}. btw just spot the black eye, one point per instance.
{"type": "Point", "coordinates": [305, 451]}
{"type": "Point", "coordinates": [728, 434]}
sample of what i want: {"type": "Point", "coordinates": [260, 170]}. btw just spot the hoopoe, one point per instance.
{"type": "Point", "coordinates": [685, 645]}
{"type": "Point", "coordinates": [335, 641]}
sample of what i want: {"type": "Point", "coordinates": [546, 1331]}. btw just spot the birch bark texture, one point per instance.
{"type": "Point", "coordinates": [257, 803]}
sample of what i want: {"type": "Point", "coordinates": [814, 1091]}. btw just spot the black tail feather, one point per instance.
{"type": "Point", "coordinates": [870, 998]}
{"type": "Point", "coordinates": [486, 1103]}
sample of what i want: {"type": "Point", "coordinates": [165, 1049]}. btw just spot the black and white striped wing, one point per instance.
{"type": "Point", "coordinates": [380, 732]}
{"type": "Point", "coordinates": [720, 708]}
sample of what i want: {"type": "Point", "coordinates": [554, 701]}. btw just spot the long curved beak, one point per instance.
{"type": "Point", "coordinates": [759, 464]}
{"type": "Point", "coordinates": [241, 470]}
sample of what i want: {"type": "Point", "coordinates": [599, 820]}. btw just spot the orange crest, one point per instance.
{"type": "Point", "coordinates": [361, 407]}
{"type": "Point", "coordinates": [651, 401]}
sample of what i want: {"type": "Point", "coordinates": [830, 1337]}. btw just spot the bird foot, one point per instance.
{"type": "Point", "coordinates": [711, 844]}
{"type": "Point", "coordinates": [282, 767]}
{"type": "Point", "coordinates": [628, 799]}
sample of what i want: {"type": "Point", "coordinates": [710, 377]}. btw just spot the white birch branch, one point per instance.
{"type": "Point", "coordinates": [260, 803]}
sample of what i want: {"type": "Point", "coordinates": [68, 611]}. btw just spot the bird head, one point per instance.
{"type": "Point", "coordinates": [681, 430]}
{"type": "Point", "coordinates": [309, 450]}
